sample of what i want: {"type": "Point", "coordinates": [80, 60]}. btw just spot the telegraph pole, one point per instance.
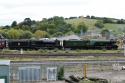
{"type": "Point", "coordinates": [124, 44]}
{"type": "Point", "coordinates": [124, 49]}
{"type": "Point", "coordinates": [85, 71]}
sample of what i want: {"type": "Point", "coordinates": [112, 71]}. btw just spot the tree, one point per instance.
{"type": "Point", "coordinates": [88, 17]}
{"type": "Point", "coordinates": [58, 34]}
{"type": "Point", "coordinates": [60, 74]}
{"type": "Point", "coordinates": [27, 21]}
{"type": "Point", "coordinates": [54, 25]}
{"type": "Point", "coordinates": [99, 24]}
{"type": "Point", "coordinates": [93, 17]}
{"type": "Point", "coordinates": [108, 20]}
{"type": "Point", "coordinates": [3, 32]}
{"type": "Point", "coordinates": [14, 23]}
{"type": "Point", "coordinates": [105, 33]}
{"type": "Point", "coordinates": [41, 34]}
{"type": "Point", "coordinates": [14, 34]}
{"type": "Point", "coordinates": [26, 35]}
{"type": "Point", "coordinates": [26, 27]}
{"type": "Point", "coordinates": [122, 21]}
{"type": "Point", "coordinates": [64, 28]}
{"type": "Point", "coordinates": [81, 28]}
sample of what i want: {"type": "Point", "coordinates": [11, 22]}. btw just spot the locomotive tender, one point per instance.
{"type": "Point", "coordinates": [57, 44]}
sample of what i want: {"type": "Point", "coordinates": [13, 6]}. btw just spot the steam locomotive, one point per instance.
{"type": "Point", "coordinates": [57, 44]}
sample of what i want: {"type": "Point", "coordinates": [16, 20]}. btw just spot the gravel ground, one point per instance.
{"type": "Point", "coordinates": [112, 76]}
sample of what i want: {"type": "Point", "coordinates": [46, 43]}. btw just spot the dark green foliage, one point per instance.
{"type": "Point", "coordinates": [6, 27]}
{"type": "Point", "coordinates": [99, 24]}
{"type": "Point", "coordinates": [26, 35]}
{"type": "Point", "coordinates": [108, 20]}
{"type": "Point", "coordinates": [122, 21]}
{"type": "Point", "coordinates": [27, 24]}
{"type": "Point", "coordinates": [60, 74]}
{"type": "Point", "coordinates": [55, 25]}
{"type": "Point", "coordinates": [72, 17]}
{"type": "Point", "coordinates": [58, 34]}
{"type": "Point", "coordinates": [14, 24]}
{"type": "Point", "coordinates": [88, 17]}
{"type": "Point", "coordinates": [93, 17]}
{"type": "Point", "coordinates": [81, 28]}
{"type": "Point", "coordinates": [27, 21]}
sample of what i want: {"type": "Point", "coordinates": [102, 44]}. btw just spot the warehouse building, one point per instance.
{"type": "Point", "coordinates": [4, 71]}
{"type": "Point", "coordinates": [28, 72]}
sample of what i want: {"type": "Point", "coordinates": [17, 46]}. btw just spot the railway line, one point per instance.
{"type": "Point", "coordinates": [58, 55]}
{"type": "Point", "coordinates": [70, 62]}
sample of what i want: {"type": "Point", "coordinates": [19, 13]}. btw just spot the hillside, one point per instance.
{"type": "Point", "coordinates": [116, 29]}
{"type": "Point", "coordinates": [89, 22]}
{"type": "Point", "coordinates": [59, 26]}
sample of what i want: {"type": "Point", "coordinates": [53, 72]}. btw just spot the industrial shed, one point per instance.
{"type": "Point", "coordinates": [4, 71]}
{"type": "Point", "coordinates": [28, 72]}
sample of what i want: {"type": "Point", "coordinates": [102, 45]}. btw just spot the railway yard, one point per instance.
{"type": "Point", "coordinates": [104, 64]}
{"type": "Point", "coordinates": [110, 70]}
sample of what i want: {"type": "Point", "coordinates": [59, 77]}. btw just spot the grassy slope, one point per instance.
{"type": "Point", "coordinates": [114, 28]}
{"type": "Point", "coordinates": [89, 22]}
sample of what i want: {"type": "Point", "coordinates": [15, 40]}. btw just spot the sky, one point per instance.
{"type": "Point", "coordinates": [17, 10]}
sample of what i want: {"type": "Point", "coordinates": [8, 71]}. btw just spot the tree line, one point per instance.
{"type": "Point", "coordinates": [51, 27]}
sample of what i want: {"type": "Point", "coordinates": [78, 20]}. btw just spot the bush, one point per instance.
{"type": "Point", "coordinates": [99, 24]}
{"type": "Point", "coordinates": [61, 74]}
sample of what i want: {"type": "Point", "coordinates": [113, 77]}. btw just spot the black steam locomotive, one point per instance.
{"type": "Point", "coordinates": [57, 44]}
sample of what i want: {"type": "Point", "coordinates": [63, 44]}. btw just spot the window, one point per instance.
{"type": "Point", "coordinates": [29, 73]}
{"type": "Point", "coordinates": [51, 73]}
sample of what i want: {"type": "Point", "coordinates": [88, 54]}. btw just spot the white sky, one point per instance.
{"type": "Point", "coordinates": [11, 10]}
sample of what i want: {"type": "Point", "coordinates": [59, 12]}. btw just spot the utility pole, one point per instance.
{"type": "Point", "coordinates": [85, 71]}
{"type": "Point", "coordinates": [124, 48]}
{"type": "Point", "coordinates": [124, 43]}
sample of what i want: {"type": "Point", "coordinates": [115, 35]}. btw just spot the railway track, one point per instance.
{"type": "Point", "coordinates": [70, 62]}
{"type": "Point", "coordinates": [59, 55]}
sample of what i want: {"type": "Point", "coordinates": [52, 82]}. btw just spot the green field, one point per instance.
{"type": "Point", "coordinates": [116, 29]}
